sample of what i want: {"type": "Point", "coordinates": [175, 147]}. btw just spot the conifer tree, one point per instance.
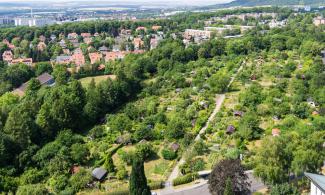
{"type": "Point", "coordinates": [138, 180]}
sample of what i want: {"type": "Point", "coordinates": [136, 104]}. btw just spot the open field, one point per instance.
{"type": "Point", "coordinates": [85, 81]}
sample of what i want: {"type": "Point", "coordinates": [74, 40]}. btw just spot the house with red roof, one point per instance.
{"type": "Point", "coordinates": [11, 46]}
{"type": "Point", "coordinates": [78, 58]}
{"type": "Point", "coordinates": [7, 56]}
{"type": "Point", "coordinates": [27, 61]}
{"type": "Point", "coordinates": [85, 35]}
{"type": "Point", "coordinates": [138, 43]}
{"type": "Point", "coordinates": [141, 28]}
{"type": "Point", "coordinates": [88, 40]}
{"type": "Point", "coordinates": [95, 57]}
{"type": "Point", "coordinates": [126, 32]}
{"type": "Point", "coordinates": [156, 28]}
{"type": "Point", "coordinates": [72, 35]}
{"type": "Point", "coordinates": [114, 55]}
{"type": "Point", "coordinates": [276, 132]}
{"type": "Point", "coordinates": [41, 46]}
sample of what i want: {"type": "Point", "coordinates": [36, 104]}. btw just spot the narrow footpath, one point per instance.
{"type": "Point", "coordinates": [218, 104]}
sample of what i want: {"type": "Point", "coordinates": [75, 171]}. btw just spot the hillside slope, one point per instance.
{"type": "Point", "coordinates": [244, 3]}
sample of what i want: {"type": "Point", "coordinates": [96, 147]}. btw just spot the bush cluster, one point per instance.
{"type": "Point", "coordinates": [185, 179]}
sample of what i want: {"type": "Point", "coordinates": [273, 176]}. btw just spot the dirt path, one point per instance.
{"type": "Point", "coordinates": [218, 103]}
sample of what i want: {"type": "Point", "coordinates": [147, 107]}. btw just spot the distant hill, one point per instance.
{"type": "Point", "coordinates": [249, 3]}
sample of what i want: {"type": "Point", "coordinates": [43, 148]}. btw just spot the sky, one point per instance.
{"type": "Point", "coordinates": [183, 2]}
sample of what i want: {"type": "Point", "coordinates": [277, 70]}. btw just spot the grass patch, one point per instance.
{"type": "Point", "coordinates": [85, 81]}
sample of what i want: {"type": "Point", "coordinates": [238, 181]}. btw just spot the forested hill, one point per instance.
{"type": "Point", "coordinates": [273, 2]}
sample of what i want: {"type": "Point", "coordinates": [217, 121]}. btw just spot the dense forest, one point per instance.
{"type": "Point", "coordinates": [163, 98]}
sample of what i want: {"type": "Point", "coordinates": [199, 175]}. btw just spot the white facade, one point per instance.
{"type": "Point", "coordinates": [317, 183]}
{"type": "Point", "coordinates": [314, 190]}
{"type": "Point", "coordinates": [33, 21]}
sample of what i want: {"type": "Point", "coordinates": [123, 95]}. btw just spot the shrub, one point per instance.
{"type": "Point", "coordinates": [121, 172]}
{"type": "Point", "coordinates": [198, 164]}
{"type": "Point", "coordinates": [126, 156]}
{"type": "Point", "coordinates": [145, 150]}
{"type": "Point", "coordinates": [156, 185]}
{"type": "Point", "coordinates": [124, 191]}
{"type": "Point", "coordinates": [168, 154]}
{"type": "Point", "coordinates": [185, 179]}
{"type": "Point", "coordinates": [32, 189]}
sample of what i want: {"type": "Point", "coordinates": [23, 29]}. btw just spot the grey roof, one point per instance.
{"type": "Point", "coordinates": [103, 48]}
{"type": "Point", "coordinates": [44, 78]}
{"type": "Point", "coordinates": [318, 180]}
{"type": "Point", "coordinates": [238, 113]}
{"type": "Point", "coordinates": [99, 173]}
{"type": "Point", "coordinates": [175, 146]}
{"type": "Point", "coordinates": [230, 129]}
{"type": "Point", "coordinates": [62, 58]}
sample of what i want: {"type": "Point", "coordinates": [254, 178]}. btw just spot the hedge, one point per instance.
{"type": "Point", "coordinates": [119, 192]}
{"type": "Point", "coordinates": [155, 185]}
{"type": "Point", "coordinates": [185, 179]}
{"type": "Point", "coordinates": [168, 154]}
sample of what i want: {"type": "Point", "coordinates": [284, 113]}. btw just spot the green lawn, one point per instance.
{"type": "Point", "coordinates": [85, 81]}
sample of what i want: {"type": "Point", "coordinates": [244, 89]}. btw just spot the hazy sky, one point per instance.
{"type": "Point", "coordinates": [185, 2]}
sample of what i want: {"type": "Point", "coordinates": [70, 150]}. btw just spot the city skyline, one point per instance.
{"type": "Point", "coordinates": [146, 2]}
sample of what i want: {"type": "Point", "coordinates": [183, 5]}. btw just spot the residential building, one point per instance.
{"type": "Point", "coordinates": [317, 183]}
{"type": "Point", "coordinates": [95, 57]}
{"type": "Point", "coordinates": [154, 43]}
{"type": "Point", "coordinates": [99, 173]}
{"type": "Point", "coordinates": [138, 43]}
{"type": "Point", "coordinates": [27, 61]}
{"type": "Point", "coordinates": [41, 46]}
{"type": "Point", "coordinates": [274, 23]}
{"type": "Point", "coordinates": [85, 35]}
{"type": "Point", "coordinates": [42, 38]}
{"type": "Point", "coordinates": [276, 132]}
{"type": "Point", "coordinates": [156, 28]}
{"type": "Point", "coordinates": [72, 36]}
{"type": "Point", "coordinates": [45, 79]}
{"type": "Point", "coordinates": [114, 55]}
{"type": "Point", "coordinates": [66, 51]}
{"type": "Point", "coordinates": [34, 21]}
{"type": "Point", "coordinates": [103, 49]}
{"type": "Point", "coordinates": [319, 21]}
{"type": "Point", "coordinates": [62, 44]}
{"type": "Point", "coordinates": [197, 33]}
{"type": "Point", "coordinates": [78, 58]}
{"type": "Point", "coordinates": [88, 40]}
{"type": "Point", "coordinates": [126, 32]}
{"type": "Point", "coordinates": [7, 21]}
{"type": "Point", "coordinates": [141, 28]}
{"type": "Point", "coordinates": [11, 46]}
{"type": "Point", "coordinates": [75, 43]}
{"type": "Point", "coordinates": [63, 59]}
{"type": "Point", "coordinates": [7, 56]}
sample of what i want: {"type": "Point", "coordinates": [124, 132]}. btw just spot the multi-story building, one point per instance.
{"type": "Point", "coordinates": [7, 21]}
{"type": "Point", "coordinates": [34, 21]}
{"type": "Point", "coordinates": [197, 33]}
{"type": "Point", "coordinates": [319, 21]}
